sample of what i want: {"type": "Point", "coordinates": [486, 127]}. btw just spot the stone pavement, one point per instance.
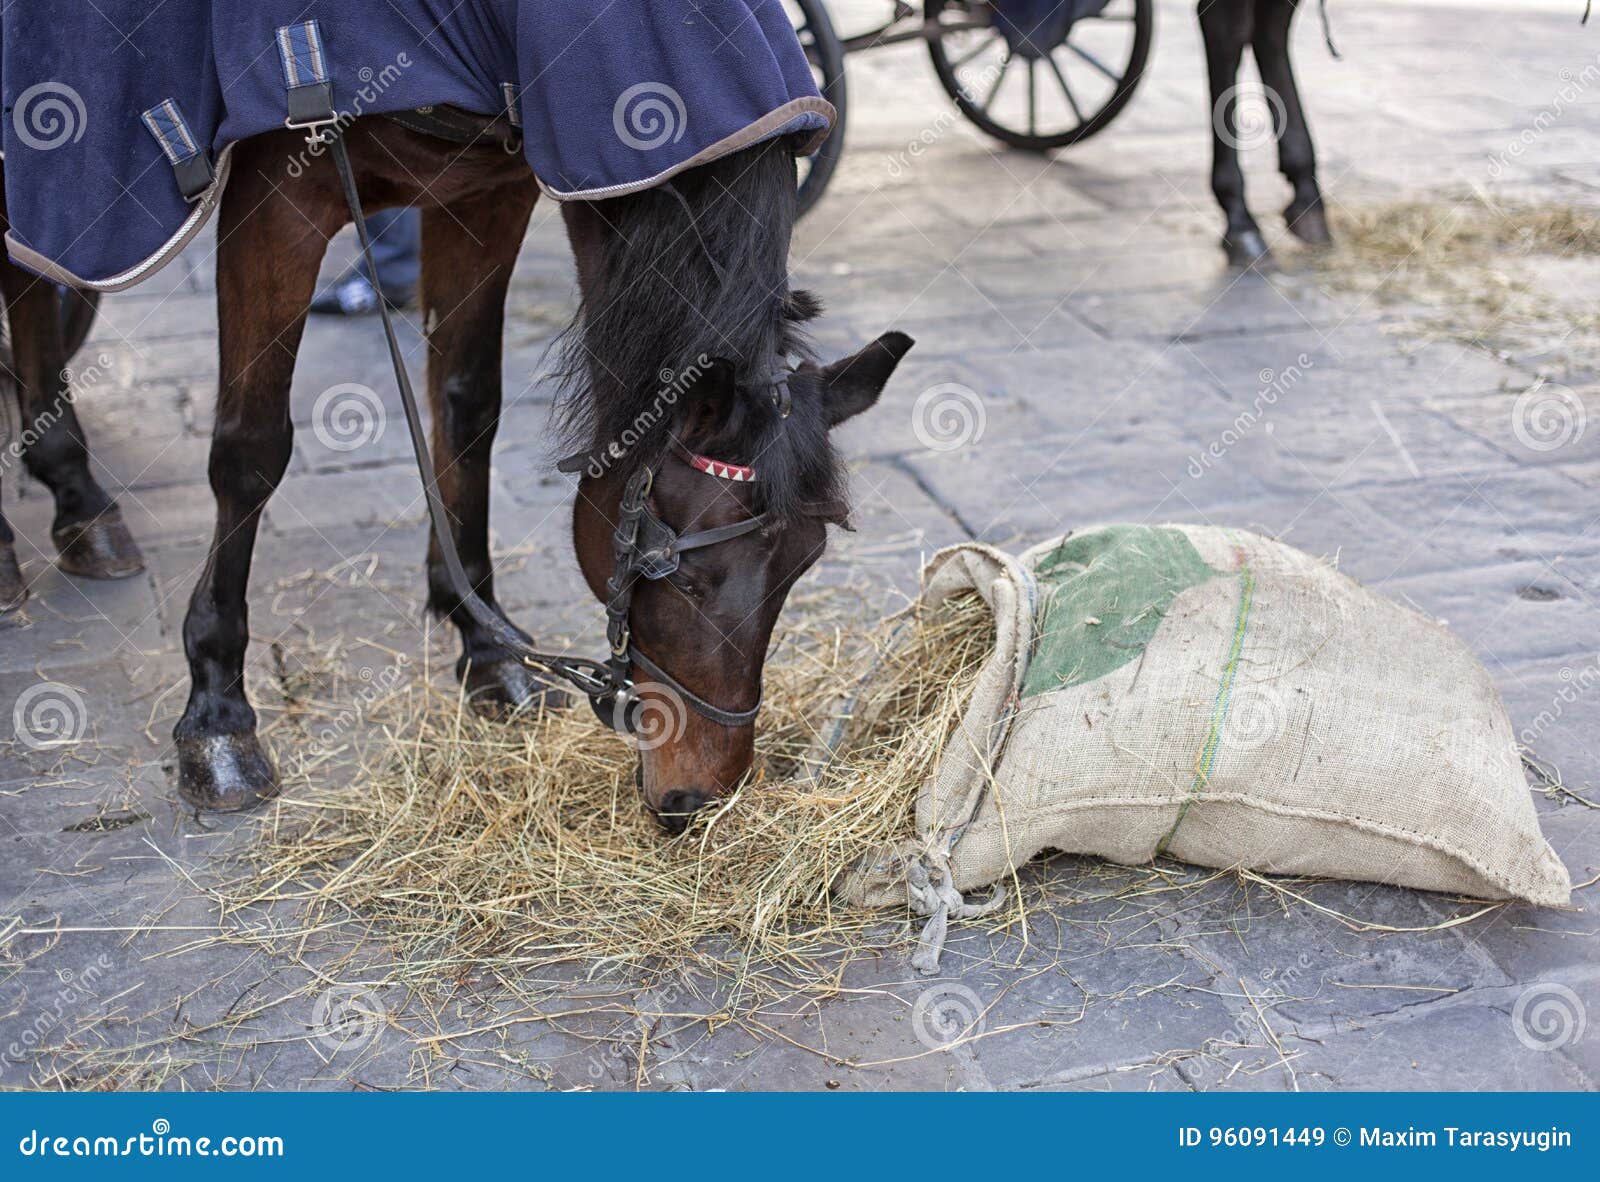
{"type": "Point", "coordinates": [1084, 305]}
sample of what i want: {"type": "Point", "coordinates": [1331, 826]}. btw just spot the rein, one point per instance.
{"type": "Point", "coordinates": [643, 546]}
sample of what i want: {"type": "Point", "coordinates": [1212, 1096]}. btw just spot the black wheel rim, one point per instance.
{"type": "Point", "coordinates": [826, 55]}
{"type": "Point", "coordinates": [1056, 98]}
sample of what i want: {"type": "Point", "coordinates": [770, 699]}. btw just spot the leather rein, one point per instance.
{"type": "Point", "coordinates": [643, 546]}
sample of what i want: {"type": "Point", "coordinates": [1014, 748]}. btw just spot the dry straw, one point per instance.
{"type": "Point", "coordinates": [470, 843]}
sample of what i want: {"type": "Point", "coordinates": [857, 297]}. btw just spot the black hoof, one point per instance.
{"type": "Point", "coordinates": [1309, 224]}
{"type": "Point", "coordinates": [677, 808]}
{"type": "Point", "coordinates": [102, 548]}
{"type": "Point", "coordinates": [13, 590]}
{"type": "Point", "coordinates": [225, 773]}
{"type": "Point", "coordinates": [1247, 249]}
{"type": "Point", "coordinates": [508, 686]}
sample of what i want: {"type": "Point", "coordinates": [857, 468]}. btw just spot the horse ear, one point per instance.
{"type": "Point", "coordinates": [853, 384]}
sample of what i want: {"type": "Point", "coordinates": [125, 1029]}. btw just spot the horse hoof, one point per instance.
{"type": "Point", "coordinates": [102, 548]}
{"type": "Point", "coordinates": [508, 686]}
{"type": "Point", "coordinates": [1247, 249]}
{"type": "Point", "coordinates": [13, 590]}
{"type": "Point", "coordinates": [1309, 224]}
{"type": "Point", "coordinates": [225, 773]}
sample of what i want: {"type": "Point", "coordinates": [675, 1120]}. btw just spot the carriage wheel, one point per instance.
{"type": "Point", "coordinates": [826, 55]}
{"type": "Point", "coordinates": [1044, 100]}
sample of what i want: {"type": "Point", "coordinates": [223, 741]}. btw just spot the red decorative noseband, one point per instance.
{"type": "Point", "coordinates": [720, 470]}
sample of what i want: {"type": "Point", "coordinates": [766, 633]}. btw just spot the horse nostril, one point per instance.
{"type": "Point", "coordinates": [677, 807]}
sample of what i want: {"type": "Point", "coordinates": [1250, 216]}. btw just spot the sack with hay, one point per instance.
{"type": "Point", "coordinates": [1217, 697]}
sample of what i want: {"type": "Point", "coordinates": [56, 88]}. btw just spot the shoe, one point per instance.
{"type": "Point", "coordinates": [354, 296]}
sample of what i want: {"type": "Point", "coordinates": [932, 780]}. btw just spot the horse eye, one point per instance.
{"type": "Point", "coordinates": [686, 585]}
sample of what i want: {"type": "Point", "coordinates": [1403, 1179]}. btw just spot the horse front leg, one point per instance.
{"type": "Point", "coordinates": [1297, 158]}
{"type": "Point", "coordinates": [271, 235]}
{"type": "Point", "coordinates": [90, 537]}
{"type": "Point", "coordinates": [1225, 26]}
{"type": "Point", "coordinates": [468, 251]}
{"type": "Point", "coordinates": [13, 588]}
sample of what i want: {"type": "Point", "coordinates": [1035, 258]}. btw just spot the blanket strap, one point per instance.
{"type": "Point", "coordinates": [190, 165]}
{"type": "Point", "coordinates": [305, 76]}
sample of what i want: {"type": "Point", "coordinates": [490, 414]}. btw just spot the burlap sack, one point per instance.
{"type": "Point", "coordinates": [1227, 700]}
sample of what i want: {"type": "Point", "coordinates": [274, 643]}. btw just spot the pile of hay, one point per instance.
{"type": "Point", "coordinates": [469, 844]}
{"type": "Point", "coordinates": [1511, 277]}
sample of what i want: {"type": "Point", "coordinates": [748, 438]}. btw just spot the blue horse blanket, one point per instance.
{"type": "Point", "coordinates": [112, 110]}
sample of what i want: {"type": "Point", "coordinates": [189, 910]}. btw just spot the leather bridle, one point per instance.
{"type": "Point", "coordinates": [643, 546]}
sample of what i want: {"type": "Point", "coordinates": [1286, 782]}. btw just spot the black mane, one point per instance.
{"type": "Point", "coordinates": [664, 292]}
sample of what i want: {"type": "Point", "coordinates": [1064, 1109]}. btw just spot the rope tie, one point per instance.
{"type": "Point", "coordinates": [938, 898]}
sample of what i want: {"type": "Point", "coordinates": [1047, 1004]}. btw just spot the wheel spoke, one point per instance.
{"type": "Point", "coordinates": [1066, 90]}
{"type": "Point", "coordinates": [983, 44]}
{"type": "Point", "coordinates": [1033, 101]}
{"type": "Point", "coordinates": [1005, 64]}
{"type": "Point", "coordinates": [1116, 79]}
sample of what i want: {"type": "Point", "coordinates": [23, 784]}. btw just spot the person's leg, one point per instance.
{"type": "Point", "coordinates": [396, 249]}
{"type": "Point", "coordinates": [396, 252]}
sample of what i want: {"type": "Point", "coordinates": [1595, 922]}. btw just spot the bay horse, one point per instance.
{"type": "Point", "coordinates": [46, 329]}
{"type": "Point", "coordinates": [688, 280]}
{"type": "Point", "coordinates": [1227, 28]}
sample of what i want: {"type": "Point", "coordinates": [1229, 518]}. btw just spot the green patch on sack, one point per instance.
{"type": "Point", "coordinates": [1105, 594]}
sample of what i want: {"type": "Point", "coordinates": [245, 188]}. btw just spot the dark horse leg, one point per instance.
{"type": "Point", "coordinates": [1226, 26]}
{"type": "Point", "coordinates": [12, 588]}
{"type": "Point", "coordinates": [468, 251]}
{"type": "Point", "coordinates": [268, 251]}
{"type": "Point", "coordinates": [89, 535]}
{"type": "Point", "coordinates": [1297, 159]}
